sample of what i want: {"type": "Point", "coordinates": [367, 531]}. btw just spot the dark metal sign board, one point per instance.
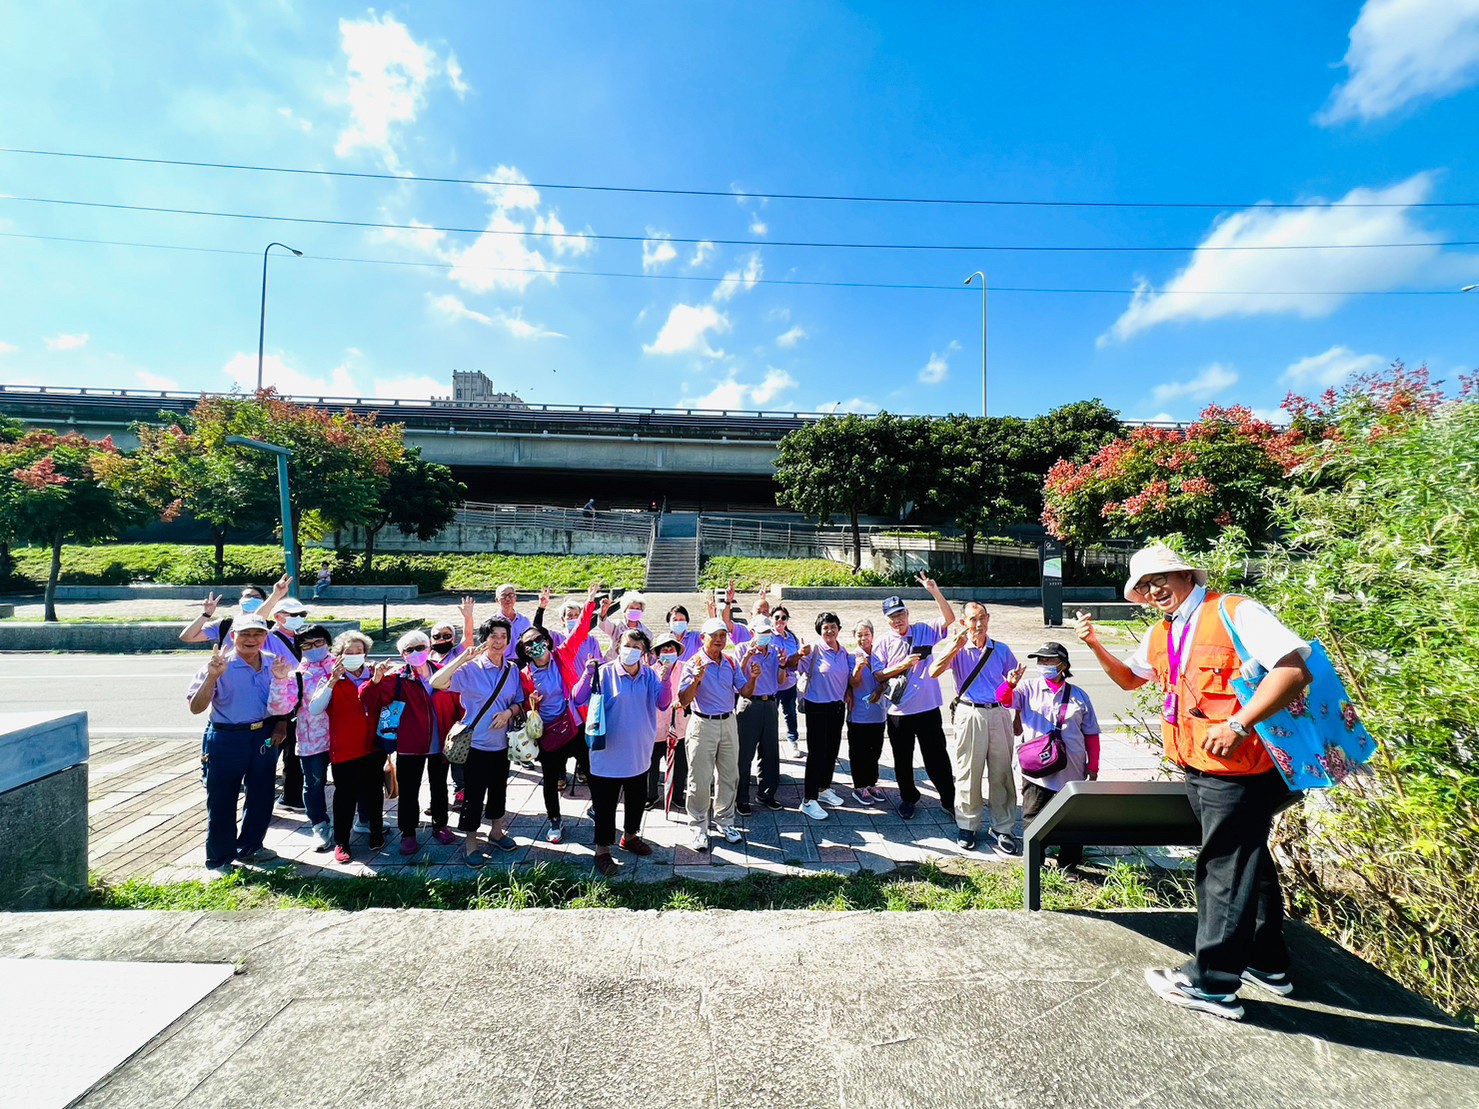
{"type": "Point", "coordinates": [1109, 814]}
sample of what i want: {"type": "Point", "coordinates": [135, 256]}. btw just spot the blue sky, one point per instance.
{"type": "Point", "coordinates": [1227, 105]}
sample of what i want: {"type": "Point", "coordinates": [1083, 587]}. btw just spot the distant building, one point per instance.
{"type": "Point", "coordinates": [474, 389]}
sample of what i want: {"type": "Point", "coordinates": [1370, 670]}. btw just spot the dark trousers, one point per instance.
{"type": "Point", "coordinates": [864, 745]}
{"type": "Point", "coordinates": [232, 760]}
{"type": "Point", "coordinates": [459, 777]}
{"type": "Point", "coordinates": [604, 794]}
{"type": "Point", "coordinates": [409, 770]}
{"type": "Point", "coordinates": [553, 764]}
{"type": "Point", "coordinates": [759, 733]}
{"type": "Point", "coordinates": [787, 698]}
{"type": "Point", "coordinates": [1240, 908]}
{"type": "Point", "coordinates": [1035, 798]}
{"type": "Point", "coordinates": [485, 784]}
{"type": "Point", "coordinates": [823, 741]}
{"type": "Point", "coordinates": [928, 729]}
{"type": "Point", "coordinates": [292, 769]}
{"type": "Point", "coordinates": [359, 783]}
{"type": "Point", "coordinates": [656, 775]}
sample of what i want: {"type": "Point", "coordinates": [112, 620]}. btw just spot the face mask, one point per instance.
{"type": "Point", "coordinates": [250, 604]}
{"type": "Point", "coordinates": [538, 651]}
{"type": "Point", "coordinates": [570, 625]}
{"type": "Point", "coordinates": [1048, 673]}
{"type": "Point", "coordinates": [417, 658]}
{"type": "Point", "coordinates": [629, 655]}
{"type": "Point", "coordinates": [634, 616]}
{"type": "Point", "coordinates": [763, 639]}
{"type": "Point", "coordinates": [669, 660]}
{"type": "Point", "coordinates": [353, 663]}
{"type": "Point", "coordinates": [316, 654]}
{"type": "Point", "coordinates": [441, 646]}
{"type": "Point", "coordinates": [295, 623]}
{"type": "Point", "coordinates": [678, 627]}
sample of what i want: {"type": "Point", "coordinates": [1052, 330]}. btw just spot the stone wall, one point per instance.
{"type": "Point", "coordinates": [43, 810]}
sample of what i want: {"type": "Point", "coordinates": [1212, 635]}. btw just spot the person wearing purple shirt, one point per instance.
{"type": "Point", "coordinates": [691, 641]}
{"type": "Point", "coordinates": [632, 694]}
{"type": "Point", "coordinates": [983, 732]}
{"type": "Point", "coordinates": [915, 715]}
{"type": "Point", "coordinates": [826, 674]}
{"type": "Point", "coordinates": [759, 726]}
{"type": "Point", "coordinates": [789, 691]}
{"type": "Point", "coordinates": [709, 687]}
{"type": "Point", "coordinates": [865, 721]}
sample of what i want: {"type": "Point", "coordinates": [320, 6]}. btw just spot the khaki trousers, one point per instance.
{"type": "Point", "coordinates": [983, 757]}
{"type": "Point", "coordinates": [713, 748]}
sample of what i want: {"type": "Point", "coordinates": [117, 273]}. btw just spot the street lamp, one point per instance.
{"type": "Point", "coordinates": [262, 320]}
{"type": "Point", "coordinates": [1469, 288]}
{"type": "Point", "coordinates": [968, 280]}
{"type": "Point", "coordinates": [289, 551]}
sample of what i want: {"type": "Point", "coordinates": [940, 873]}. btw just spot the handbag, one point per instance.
{"type": "Point", "coordinates": [459, 738]}
{"type": "Point", "coordinates": [557, 732]}
{"type": "Point", "coordinates": [387, 729]}
{"type": "Point", "coordinates": [595, 717]}
{"type": "Point", "coordinates": [1047, 754]}
{"type": "Point", "coordinates": [1317, 740]}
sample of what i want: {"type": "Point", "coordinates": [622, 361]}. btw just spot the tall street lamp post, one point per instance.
{"type": "Point", "coordinates": [262, 319]}
{"type": "Point", "coordinates": [289, 549]}
{"type": "Point", "coordinates": [968, 280]}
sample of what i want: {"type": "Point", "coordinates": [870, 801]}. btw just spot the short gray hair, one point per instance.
{"type": "Point", "coordinates": [411, 639]}
{"type": "Point", "coordinates": [345, 638]}
{"type": "Point", "coordinates": [860, 625]}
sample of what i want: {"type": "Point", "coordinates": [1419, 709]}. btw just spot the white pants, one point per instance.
{"type": "Point", "coordinates": [713, 747]}
{"type": "Point", "coordinates": [983, 757]}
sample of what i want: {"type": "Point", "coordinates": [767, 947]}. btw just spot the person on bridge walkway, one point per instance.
{"type": "Point", "coordinates": [983, 730]}
{"type": "Point", "coordinates": [1231, 781]}
{"type": "Point", "coordinates": [914, 713]}
{"type": "Point", "coordinates": [709, 691]}
{"type": "Point", "coordinates": [235, 686]}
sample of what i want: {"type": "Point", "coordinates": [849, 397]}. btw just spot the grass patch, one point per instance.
{"type": "Point", "coordinates": [544, 886]}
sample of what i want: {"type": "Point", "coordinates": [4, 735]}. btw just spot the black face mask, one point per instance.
{"type": "Point", "coordinates": [441, 647]}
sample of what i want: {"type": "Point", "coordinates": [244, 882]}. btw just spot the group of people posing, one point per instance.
{"type": "Point", "coordinates": [688, 718]}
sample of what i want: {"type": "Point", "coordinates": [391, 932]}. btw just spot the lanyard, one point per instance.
{"type": "Point", "coordinates": [1176, 650]}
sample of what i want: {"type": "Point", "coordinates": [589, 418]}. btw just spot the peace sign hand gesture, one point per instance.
{"type": "Point", "coordinates": [208, 606]}
{"type": "Point", "coordinates": [217, 664]}
{"type": "Point", "coordinates": [1016, 675]}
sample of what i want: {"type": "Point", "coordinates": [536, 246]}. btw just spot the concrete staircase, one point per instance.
{"type": "Point", "coordinates": [672, 565]}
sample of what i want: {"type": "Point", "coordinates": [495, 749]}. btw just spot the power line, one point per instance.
{"type": "Point", "coordinates": [709, 279]}
{"type": "Point", "coordinates": [728, 194]}
{"type": "Point", "coordinates": [606, 237]}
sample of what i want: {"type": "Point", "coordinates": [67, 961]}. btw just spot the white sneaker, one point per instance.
{"type": "Point", "coordinates": [796, 750]}
{"type": "Point", "coordinates": [214, 873]}
{"type": "Point", "coordinates": [830, 796]}
{"type": "Point", "coordinates": [700, 840]}
{"type": "Point", "coordinates": [325, 837]}
{"type": "Point", "coordinates": [361, 827]}
{"type": "Point", "coordinates": [731, 833]}
{"type": "Point", "coordinates": [813, 810]}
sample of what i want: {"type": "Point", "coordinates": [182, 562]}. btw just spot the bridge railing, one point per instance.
{"type": "Point", "coordinates": [475, 513]}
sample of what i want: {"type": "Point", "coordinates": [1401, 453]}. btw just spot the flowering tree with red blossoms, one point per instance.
{"type": "Point", "coordinates": [1213, 474]}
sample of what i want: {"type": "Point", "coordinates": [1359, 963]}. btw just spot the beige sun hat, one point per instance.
{"type": "Point", "coordinates": [1158, 560]}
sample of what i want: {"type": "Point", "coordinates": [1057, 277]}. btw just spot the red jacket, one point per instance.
{"type": "Point", "coordinates": [427, 717]}
{"type": "Point", "coordinates": [564, 658]}
{"type": "Point", "coordinates": [351, 727]}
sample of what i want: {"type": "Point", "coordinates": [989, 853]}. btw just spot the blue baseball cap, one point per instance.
{"type": "Point", "coordinates": [892, 605]}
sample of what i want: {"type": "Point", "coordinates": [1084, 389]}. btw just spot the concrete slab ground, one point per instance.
{"type": "Point", "coordinates": [609, 1008]}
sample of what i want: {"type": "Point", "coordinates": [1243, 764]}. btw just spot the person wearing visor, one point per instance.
{"type": "Point", "coordinates": [235, 686]}
{"type": "Point", "coordinates": [1232, 783]}
{"type": "Point", "coordinates": [1044, 702]}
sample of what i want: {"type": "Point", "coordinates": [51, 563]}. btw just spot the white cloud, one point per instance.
{"type": "Point", "coordinates": [686, 331]}
{"type": "Point", "coordinates": [241, 370]}
{"type": "Point", "coordinates": [938, 367]}
{"type": "Point", "coordinates": [657, 251]}
{"type": "Point", "coordinates": [702, 253]}
{"type": "Point", "coordinates": [564, 242]}
{"type": "Point", "coordinates": [388, 75]}
{"type": "Point", "coordinates": [455, 78]}
{"type": "Point", "coordinates": [418, 387]}
{"type": "Point", "coordinates": [758, 226]}
{"type": "Point", "coordinates": [790, 338]}
{"type": "Point", "coordinates": [451, 307]}
{"type": "Point", "coordinates": [733, 393]}
{"type": "Point", "coordinates": [1211, 381]}
{"type": "Point", "coordinates": [8, 348]}
{"type": "Point", "coordinates": [67, 342]}
{"type": "Point", "coordinates": [744, 278]}
{"type": "Point", "coordinates": [1331, 368]}
{"type": "Point", "coordinates": [304, 125]}
{"type": "Point", "coordinates": [1404, 51]}
{"type": "Point", "coordinates": [856, 404]}
{"type": "Point", "coordinates": [156, 381]}
{"type": "Point", "coordinates": [1218, 283]}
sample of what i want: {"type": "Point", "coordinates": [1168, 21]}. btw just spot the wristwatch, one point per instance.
{"type": "Point", "coordinates": [1238, 728]}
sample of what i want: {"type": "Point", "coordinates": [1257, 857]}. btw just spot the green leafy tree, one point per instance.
{"type": "Point", "coordinates": [421, 498]}
{"type": "Point", "coordinates": [52, 492]}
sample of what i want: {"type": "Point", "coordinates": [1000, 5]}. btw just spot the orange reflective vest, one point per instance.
{"type": "Point", "coordinates": [1207, 668]}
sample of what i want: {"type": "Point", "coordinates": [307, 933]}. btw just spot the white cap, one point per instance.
{"type": "Point", "coordinates": [1158, 560]}
{"type": "Point", "coordinates": [714, 625]}
{"type": "Point", "coordinates": [291, 606]}
{"type": "Point", "coordinates": [761, 624]}
{"type": "Point", "coordinates": [251, 622]}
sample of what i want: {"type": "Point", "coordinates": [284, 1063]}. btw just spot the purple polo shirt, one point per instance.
{"type": "Point", "coordinates": [549, 683]}
{"type": "Point", "coordinates": [983, 689]}
{"type": "Point", "coordinates": [693, 643]}
{"type": "Point", "coordinates": [475, 683]}
{"type": "Point", "coordinates": [716, 693]}
{"type": "Point", "coordinates": [768, 684]}
{"type": "Point", "coordinates": [241, 693]}
{"type": "Point", "coordinates": [828, 673]}
{"type": "Point", "coordinates": [631, 705]}
{"type": "Point", "coordinates": [589, 649]}
{"type": "Point", "coordinates": [923, 692]}
{"type": "Point", "coordinates": [862, 712]}
{"type": "Point", "coordinates": [791, 645]}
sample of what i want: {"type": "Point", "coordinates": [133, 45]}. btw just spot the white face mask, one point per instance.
{"type": "Point", "coordinates": [668, 660]}
{"type": "Point", "coordinates": [1049, 673]}
{"type": "Point", "coordinates": [630, 656]}
{"type": "Point", "coordinates": [353, 662]}
{"type": "Point", "coordinates": [570, 625]}
{"type": "Point", "coordinates": [295, 623]}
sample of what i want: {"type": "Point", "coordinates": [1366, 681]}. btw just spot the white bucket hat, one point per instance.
{"type": "Point", "coordinates": [1158, 560]}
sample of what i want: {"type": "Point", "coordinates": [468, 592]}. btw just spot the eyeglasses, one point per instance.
{"type": "Point", "coordinates": [1145, 585]}
{"type": "Point", "coordinates": [779, 619]}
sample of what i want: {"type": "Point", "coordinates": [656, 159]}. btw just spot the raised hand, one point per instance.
{"type": "Point", "coordinates": [927, 582]}
{"type": "Point", "coordinates": [282, 669]}
{"type": "Point", "coordinates": [1016, 675]}
{"type": "Point", "coordinates": [281, 587]}
{"type": "Point", "coordinates": [729, 594]}
{"type": "Point", "coordinates": [338, 672]}
{"type": "Point", "coordinates": [544, 596]}
{"type": "Point", "coordinates": [468, 608]}
{"type": "Point", "coordinates": [805, 651]}
{"type": "Point", "coordinates": [1083, 627]}
{"type": "Point", "coordinates": [217, 664]}
{"type": "Point", "coordinates": [605, 607]}
{"type": "Point", "coordinates": [208, 606]}
{"type": "Point", "coordinates": [713, 608]}
{"type": "Point", "coordinates": [382, 668]}
{"type": "Point", "coordinates": [590, 594]}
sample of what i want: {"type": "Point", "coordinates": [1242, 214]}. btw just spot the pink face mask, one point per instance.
{"type": "Point", "coordinates": [634, 616]}
{"type": "Point", "coordinates": [417, 658]}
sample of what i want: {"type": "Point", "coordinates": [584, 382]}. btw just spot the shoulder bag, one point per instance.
{"type": "Point", "coordinates": [1047, 754]}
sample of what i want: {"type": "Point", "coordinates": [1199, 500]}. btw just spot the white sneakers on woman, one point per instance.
{"type": "Point", "coordinates": [830, 796]}
{"type": "Point", "coordinates": [814, 810]}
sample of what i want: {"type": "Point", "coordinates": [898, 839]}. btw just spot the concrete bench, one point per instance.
{"type": "Point", "coordinates": [360, 594]}
{"type": "Point", "coordinates": [105, 637]}
{"type": "Point", "coordinates": [43, 809]}
{"type": "Point", "coordinates": [1109, 814]}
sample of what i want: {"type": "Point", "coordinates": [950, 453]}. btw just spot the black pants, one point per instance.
{"type": "Point", "coordinates": [485, 786]}
{"type": "Point", "coordinates": [928, 729]}
{"type": "Point", "coordinates": [553, 764]}
{"type": "Point", "coordinates": [292, 769]}
{"type": "Point", "coordinates": [656, 774]}
{"type": "Point", "coordinates": [864, 745]}
{"type": "Point", "coordinates": [358, 782]}
{"type": "Point", "coordinates": [759, 734]}
{"type": "Point", "coordinates": [1035, 798]}
{"type": "Point", "coordinates": [409, 769]}
{"type": "Point", "coordinates": [605, 793]}
{"type": "Point", "coordinates": [823, 741]}
{"type": "Point", "coordinates": [787, 699]}
{"type": "Point", "coordinates": [1240, 908]}
{"type": "Point", "coordinates": [459, 776]}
